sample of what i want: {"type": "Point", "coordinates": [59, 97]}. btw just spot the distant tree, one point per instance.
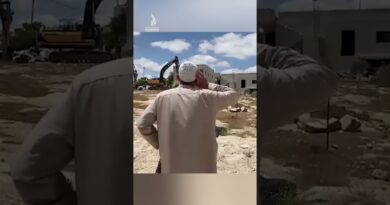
{"type": "Point", "coordinates": [115, 38]}
{"type": "Point", "coordinates": [170, 79]}
{"type": "Point", "coordinates": [142, 81]}
{"type": "Point", "coordinates": [26, 36]}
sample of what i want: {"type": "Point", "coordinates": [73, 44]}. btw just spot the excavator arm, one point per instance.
{"type": "Point", "coordinates": [166, 66]}
{"type": "Point", "coordinates": [89, 26]}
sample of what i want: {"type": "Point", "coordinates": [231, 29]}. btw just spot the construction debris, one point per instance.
{"type": "Point", "coordinates": [234, 109]}
{"type": "Point", "coordinates": [238, 108]}
{"type": "Point", "coordinates": [24, 56]}
{"type": "Point", "coordinates": [31, 55]}
{"type": "Point", "coordinates": [350, 124]}
{"type": "Point", "coordinates": [341, 119]}
{"type": "Point", "coordinates": [315, 125]}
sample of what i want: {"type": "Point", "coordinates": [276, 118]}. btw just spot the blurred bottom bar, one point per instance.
{"type": "Point", "coordinates": [194, 189]}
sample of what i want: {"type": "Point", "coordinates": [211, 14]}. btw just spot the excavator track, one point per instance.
{"type": "Point", "coordinates": [80, 56]}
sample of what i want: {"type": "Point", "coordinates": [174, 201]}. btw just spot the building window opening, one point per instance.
{"type": "Point", "coordinates": [243, 84]}
{"type": "Point", "coordinates": [383, 37]}
{"type": "Point", "coordinates": [347, 43]}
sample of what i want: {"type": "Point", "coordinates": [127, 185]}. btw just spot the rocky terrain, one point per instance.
{"type": "Point", "coordinates": [27, 91]}
{"type": "Point", "coordinates": [355, 168]}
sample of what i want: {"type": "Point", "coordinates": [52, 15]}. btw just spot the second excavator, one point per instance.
{"type": "Point", "coordinates": [76, 43]}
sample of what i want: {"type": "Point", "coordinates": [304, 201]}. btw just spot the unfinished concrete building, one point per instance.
{"type": "Point", "coordinates": [336, 38]}
{"type": "Point", "coordinates": [242, 82]}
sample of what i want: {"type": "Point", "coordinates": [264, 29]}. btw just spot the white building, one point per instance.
{"type": "Point", "coordinates": [207, 72]}
{"type": "Point", "coordinates": [242, 82]}
{"type": "Point", "coordinates": [335, 37]}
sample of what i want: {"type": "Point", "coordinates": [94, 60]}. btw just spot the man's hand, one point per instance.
{"type": "Point", "coordinates": [201, 81]}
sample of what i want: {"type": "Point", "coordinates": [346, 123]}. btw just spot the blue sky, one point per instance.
{"type": "Point", "coordinates": [224, 52]}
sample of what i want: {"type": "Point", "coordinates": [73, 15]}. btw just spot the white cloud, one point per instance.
{"type": "Point", "coordinates": [168, 71]}
{"type": "Point", "coordinates": [148, 76]}
{"type": "Point", "coordinates": [231, 45]}
{"type": "Point", "coordinates": [222, 64]}
{"type": "Point", "coordinates": [202, 59]}
{"type": "Point", "coordinates": [208, 60]}
{"type": "Point", "coordinates": [137, 33]}
{"type": "Point", "coordinates": [235, 70]}
{"type": "Point", "coordinates": [150, 65]}
{"type": "Point", "coordinates": [252, 69]}
{"type": "Point", "coordinates": [204, 46]}
{"type": "Point", "coordinates": [175, 46]}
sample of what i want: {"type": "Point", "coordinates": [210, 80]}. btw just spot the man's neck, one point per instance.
{"type": "Point", "coordinates": [189, 86]}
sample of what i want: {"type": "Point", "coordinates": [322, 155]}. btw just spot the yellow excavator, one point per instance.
{"type": "Point", "coordinates": [78, 42]}
{"type": "Point", "coordinates": [160, 83]}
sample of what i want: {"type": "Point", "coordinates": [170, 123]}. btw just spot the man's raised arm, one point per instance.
{"type": "Point", "coordinates": [290, 84]}
{"type": "Point", "coordinates": [224, 95]}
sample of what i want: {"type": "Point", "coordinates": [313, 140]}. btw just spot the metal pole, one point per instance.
{"type": "Point", "coordinates": [360, 4]}
{"type": "Point", "coordinates": [327, 126]}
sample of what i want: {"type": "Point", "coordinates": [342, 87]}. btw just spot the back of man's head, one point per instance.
{"type": "Point", "coordinates": [187, 73]}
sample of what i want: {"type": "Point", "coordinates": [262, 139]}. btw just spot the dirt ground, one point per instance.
{"type": "Point", "coordinates": [237, 148]}
{"type": "Point", "coordinates": [355, 170]}
{"type": "Point", "coordinates": [27, 91]}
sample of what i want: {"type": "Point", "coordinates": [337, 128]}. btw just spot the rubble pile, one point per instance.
{"type": "Point", "coordinates": [31, 55]}
{"type": "Point", "coordinates": [238, 108]}
{"type": "Point", "coordinates": [340, 119]}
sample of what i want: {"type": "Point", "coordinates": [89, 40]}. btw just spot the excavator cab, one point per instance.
{"type": "Point", "coordinates": [66, 35]}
